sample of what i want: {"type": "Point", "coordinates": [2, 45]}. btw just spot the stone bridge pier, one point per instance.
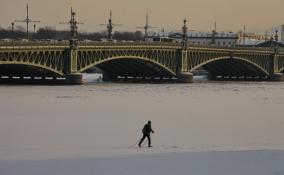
{"type": "Point", "coordinates": [276, 77]}
{"type": "Point", "coordinates": [73, 77]}
{"type": "Point", "coordinates": [183, 74]}
{"type": "Point", "coordinates": [274, 64]}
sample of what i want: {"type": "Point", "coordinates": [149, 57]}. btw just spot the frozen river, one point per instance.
{"type": "Point", "coordinates": [105, 119]}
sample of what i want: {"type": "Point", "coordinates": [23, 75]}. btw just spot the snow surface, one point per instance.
{"type": "Point", "coordinates": [201, 163]}
{"type": "Point", "coordinates": [201, 129]}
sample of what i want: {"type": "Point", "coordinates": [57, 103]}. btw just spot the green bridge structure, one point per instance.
{"type": "Point", "coordinates": [65, 62]}
{"type": "Point", "coordinates": [139, 61]}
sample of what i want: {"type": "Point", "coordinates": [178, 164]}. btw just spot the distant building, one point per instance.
{"type": "Point", "coordinates": [256, 40]}
{"type": "Point", "coordinates": [200, 38]}
{"type": "Point", "coordinates": [163, 39]}
{"type": "Point", "coordinates": [250, 36]}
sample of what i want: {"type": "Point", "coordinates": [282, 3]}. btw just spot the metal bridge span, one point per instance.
{"type": "Point", "coordinates": [139, 61]}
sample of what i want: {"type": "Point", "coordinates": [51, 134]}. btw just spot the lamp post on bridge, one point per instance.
{"type": "Point", "coordinates": [73, 29]}
{"type": "Point", "coordinates": [214, 33]}
{"type": "Point", "coordinates": [34, 31]}
{"type": "Point", "coordinates": [276, 40]}
{"type": "Point", "coordinates": [244, 35]}
{"type": "Point", "coordinates": [184, 34]}
{"type": "Point", "coordinates": [71, 71]}
{"type": "Point", "coordinates": [183, 73]}
{"type": "Point", "coordinates": [274, 74]}
{"type": "Point", "coordinates": [276, 35]}
{"type": "Point", "coordinates": [12, 31]}
{"type": "Point", "coordinates": [274, 44]}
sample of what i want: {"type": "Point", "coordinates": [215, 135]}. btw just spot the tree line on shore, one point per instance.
{"type": "Point", "coordinates": [45, 33]}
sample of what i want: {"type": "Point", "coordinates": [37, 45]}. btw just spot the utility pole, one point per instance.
{"type": "Point", "coordinates": [147, 27]}
{"type": "Point", "coordinates": [27, 21]}
{"type": "Point", "coordinates": [110, 26]}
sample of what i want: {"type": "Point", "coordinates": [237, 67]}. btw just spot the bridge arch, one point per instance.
{"type": "Point", "coordinates": [132, 63]}
{"type": "Point", "coordinates": [26, 68]}
{"type": "Point", "coordinates": [237, 66]}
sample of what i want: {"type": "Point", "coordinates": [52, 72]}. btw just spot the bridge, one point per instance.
{"type": "Point", "coordinates": [40, 61]}
{"type": "Point", "coordinates": [139, 60]}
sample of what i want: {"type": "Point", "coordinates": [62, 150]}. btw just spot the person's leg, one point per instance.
{"type": "Point", "coordinates": [144, 136]}
{"type": "Point", "coordinates": [149, 140]}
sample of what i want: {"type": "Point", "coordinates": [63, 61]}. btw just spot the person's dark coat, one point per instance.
{"type": "Point", "coordinates": [147, 129]}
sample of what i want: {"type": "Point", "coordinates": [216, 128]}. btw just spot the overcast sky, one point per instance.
{"type": "Point", "coordinates": [230, 15]}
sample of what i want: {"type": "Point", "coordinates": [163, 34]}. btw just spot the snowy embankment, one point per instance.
{"type": "Point", "coordinates": [193, 163]}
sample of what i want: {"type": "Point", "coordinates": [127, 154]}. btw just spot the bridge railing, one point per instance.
{"type": "Point", "coordinates": [166, 45]}
{"type": "Point", "coordinates": [32, 43]}
{"type": "Point", "coordinates": [4, 44]}
{"type": "Point", "coordinates": [22, 45]}
{"type": "Point", "coordinates": [143, 43]}
{"type": "Point", "coordinates": [85, 44]}
{"type": "Point", "coordinates": [127, 43]}
{"type": "Point", "coordinates": [32, 47]}
{"type": "Point", "coordinates": [231, 47]}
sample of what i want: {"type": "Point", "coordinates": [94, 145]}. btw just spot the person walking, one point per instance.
{"type": "Point", "coordinates": [147, 130]}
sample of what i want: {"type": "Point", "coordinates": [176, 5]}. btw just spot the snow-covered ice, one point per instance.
{"type": "Point", "coordinates": [201, 128]}
{"type": "Point", "coordinates": [202, 163]}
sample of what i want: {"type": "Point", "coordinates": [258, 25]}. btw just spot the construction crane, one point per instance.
{"type": "Point", "coordinates": [27, 21]}
{"type": "Point", "coordinates": [73, 26]}
{"type": "Point", "coordinates": [146, 27]}
{"type": "Point", "coordinates": [110, 26]}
